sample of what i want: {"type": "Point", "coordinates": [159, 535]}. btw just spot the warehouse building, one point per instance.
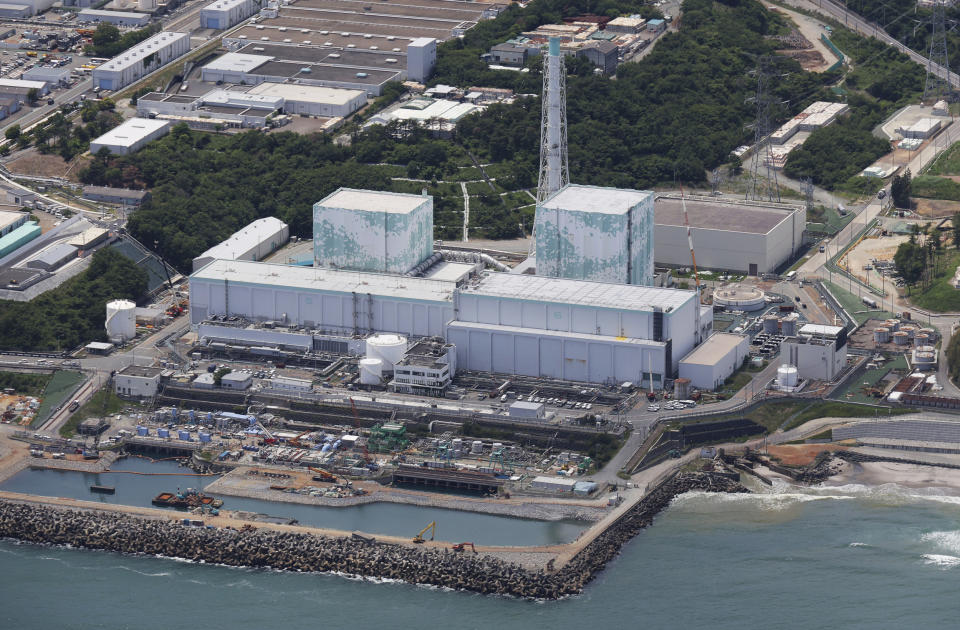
{"type": "Point", "coordinates": [223, 14]}
{"type": "Point", "coordinates": [120, 18]}
{"type": "Point", "coordinates": [819, 352]}
{"type": "Point", "coordinates": [598, 234]}
{"type": "Point", "coordinates": [9, 221]}
{"type": "Point", "coordinates": [140, 60]}
{"type": "Point", "coordinates": [372, 231]}
{"type": "Point", "coordinates": [750, 237]}
{"type": "Point", "coordinates": [18, 89]}
{"type": "Point", "coordinates": [53, 257]}
{"type": "Point", "coordinates": [255, 241]}
{"type": "Point", "coordinates": [25, 8]}
{"type": "Point", "coordinates": [713, 361]}
{"type": "Point", "coordinates": [130, 136]}
{"type": "Point", "coordinates": [119, 196]}
{"type": "Point", "coordinates": [311, 100]}
{"type": "Point", "coordinates": [50, 76]}
{"type": "Point", "coordinates": [17, 238]}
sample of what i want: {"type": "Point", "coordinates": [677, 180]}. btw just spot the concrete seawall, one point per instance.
{"type": "Point", "coordinates": [296, 551]}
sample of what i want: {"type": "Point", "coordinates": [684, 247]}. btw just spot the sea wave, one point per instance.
{"type": "Point", "coordinates": [858, 544]}
{"type": "Point", "coordinates": [946, 540]}
{"type": "Point", "coordinates": [941, 561]}
{"type": "Point", "coordinates": [143, 573]}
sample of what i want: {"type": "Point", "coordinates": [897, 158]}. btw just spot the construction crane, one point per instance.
{"type": "Point", "coordinates": [461, 546]}
{"type": "Point", "coordinates": [431, 527]}
{"type": "Point", "coordinates": [269, 439]}
{"type": "Point", "coordinates": [686, 223]}
{"type": "Point", "coordinates": [325, 475]}
{"type": "Point", "coordinates": [296, 441]}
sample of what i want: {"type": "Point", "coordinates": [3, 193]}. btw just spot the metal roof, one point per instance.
{"type": "Point", "coordinates": [131, 132]}
{"type": "Point", "coordinates": [622, 297]}
{"type": "Point", "coordinates": [237, 62]}
{"type": "Point", "coordinates": [715, 348]}
{"type": "Point", "coordinates": [245, 239]}
{"type": "Point", "coordinates": [328, 280]}
{"type": "Point", "coordinates": [716, 214]}
{"type": "Point", "coordinates": [53, 256]}
{"type": "Point", "coordinates": [308, 93]}
{"type": "Point", "coordinates": [373, 201]}
{"type": "Point", "coordinates": [581, 198]}
{"type": "Point", "coordinates": [143, 50]}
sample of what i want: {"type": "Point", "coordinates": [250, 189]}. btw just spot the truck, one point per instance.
{"type": "Point", "coordinates": [74, 406]}
{"type": "Point", "coordinates": [870, 302]}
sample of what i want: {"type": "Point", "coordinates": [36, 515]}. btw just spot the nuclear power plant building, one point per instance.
{"type": "Point", "coordinates": [598, 234]}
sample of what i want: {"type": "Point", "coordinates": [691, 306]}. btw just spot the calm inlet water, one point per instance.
{"type": "Point", "coordinates": [834, 558]}
{"type": "Point", "coordinates": [375, 518]}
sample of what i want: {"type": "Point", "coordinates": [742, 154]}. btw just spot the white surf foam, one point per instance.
{"type": "Point", "coordinates": [941, 561]}
{"type": "Point", "coordinates": [945, 540]}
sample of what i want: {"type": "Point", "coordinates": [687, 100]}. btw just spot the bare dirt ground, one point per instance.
{"type": "Point", "coordinates": [801, 454]}
{"type": "Point", "coordinates": [883, 248]}
{"type": "Point", "coordinates": [937, 208]}
{"type": "Point", "coordinates": [32, 162]}
{"type": "Point", "coordinates": [811, 29]}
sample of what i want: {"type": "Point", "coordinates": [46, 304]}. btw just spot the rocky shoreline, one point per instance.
{"type": "Point", "coordinates": [263, 548]}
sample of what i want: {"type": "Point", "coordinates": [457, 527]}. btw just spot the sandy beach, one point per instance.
{"type": "Point", "coordinates": [907, 475]}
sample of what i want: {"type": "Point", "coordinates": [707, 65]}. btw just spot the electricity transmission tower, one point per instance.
{"type": "Point", "coordinates": [937, 85]}
{"type": "Point", "coordinates": [806, 186]}
{"type": "Point", "coordinates": [764, 188]}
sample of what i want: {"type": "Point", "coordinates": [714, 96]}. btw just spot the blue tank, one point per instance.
{"type": "Point", "coordinates": [183, 435]}
{"type": "Point", "coordinates": [192, 415]}
{"type": "Point", "coordinates": [141, 431]}
{"type": "Point", "coordinates": [204, 437]}
{"type": "Point", "coordinates": [210, 416]}
{"type": "Point", "coordinates": [336, 445]}
{"type": "Point", "coordinates": [164, 433]}
{"type": "Point", "coordinates": [326, 448]}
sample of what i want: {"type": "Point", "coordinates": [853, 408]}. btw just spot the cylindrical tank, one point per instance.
{"type": "Point", "coordinates": [930, 332]}
{"type": "Point", "coordinates": [901, 338]}
{"type": "Point", "coordinates": [164, 433]}
{"type": "Point", "coordinates": [910, 329]}
{"type": "Point", "coordinates": [921, 339]}
{"type": "Point", "coordinates": [881, 335]}
{"type": "Point", "coordinates": [892, 324]}
{"type": "Point", "coordinates": [926, 349]}
{"type": "Point", "coordinates": [387, 348]}
{"type": "Point", "coordinates": [681, 388]}
{"type": "Point", "coordinates": [141, 431]}
{"type": "Point", "coordinates": [371, 371]}
{"type": "Point", "coordinates": [497, 446]}
{"type": "Point", "coordinates": [924, 357]}
{"type": "Point", "coordinates": [476, 447]}
{"type": "Point", "coordinates": [788, 325]}
{"type": "Point", "coordinates": [147, 5]}
{"type": "Point", "coordinates": [787, 376]}
{"type": "Point", "coordinates": [771, 324]}
{"type": "Point", "coordinates": [204, 437]}
{"type": "Point", "coordinates": [457, 445]}
{"type": "Point", "coordinates": [183, 435]}
{"type": "Point", "coordinates": [121, 322]}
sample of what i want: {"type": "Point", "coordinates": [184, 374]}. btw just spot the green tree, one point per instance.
{"type": "Point", "coordinates": [219, 374]}
{"type": "Point", "coordinates": [910, 260]}
{"type": "Point", "coordinates": [900, 190]}
{"type": "Point", "coordinates": [12, 133]}
{"type": "Point", "coordinates": [105, 34]}
{"type": "Point", "coordinates": [956, 229]}
{"type": "Point", "coordinates": [32, 95]}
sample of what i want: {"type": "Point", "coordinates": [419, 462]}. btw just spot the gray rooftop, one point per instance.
{"type": "Point", "coordinates": [373, 201]}
{"type": "Point", "coordinates": [143, 371]}
{"type": "Point", "coordinates": [715, 214]}
{"type": "Point", "coordinates": [596, 199]}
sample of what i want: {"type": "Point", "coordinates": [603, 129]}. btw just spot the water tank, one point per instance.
{"type": "Point", "coordinates": [929, 332]}
{"type": "Point", "coordinates": [910, 329]}
{"type": "Point", "coordinates": [371, 371]}
{"type": "Point", "coordinates": [681, 388]}
{"type": "Point", "coordinates": [892, 324]}
{"type": "Point", "coordinates": [787, 376]}
{"type": "Point", "coordinates": [921, 339]}
{"type": "Point", "coordinates": [164, 433]}
{"type": "Point", "coordinates": [147, 5]}
{"type": "Point", "coordinates": [497, 446]}
{"type": "Point", "coordinates": [901, 338]}
{"type": "Point", "coordinates": [183, 435]}
{"type": "Point", "coordinates": [476, 447]}
{"type": "Point", "coordinates": [121, 323]}
{"type": "Point", "coordinates": [926, 349]}
{"type": "Point", "coordinates": [923, 357]}
{"type": "Point", "coordinates": [881, 335]}
{"type": "Point", "coordinates": [788, 325]}
{"type": "Point", "coordinates": [141, 431]}
{"type": "Point", "coordinates": [204, 437]}
{"type": "Point", "coordinates": [771, 324]}
{"type": "Point", "coordinates": [387, 348]}
{"type": "Point", "coordinates": [457, 445]}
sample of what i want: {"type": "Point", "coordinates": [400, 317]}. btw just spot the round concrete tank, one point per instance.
{"type": "Point", "coordinates": [901, 338]}
{"type": "Point", "coordinates": [121, 322]}
{"type": "Point", "coordinates": [738, 298]}
{"type": "Point", "coordinates": [387, 348]}
{"type": "Point", "coordinates": [924, 357]}
{"type": "Point", "coordinates": [371, 371]}
{"type": "Point", "coordinates": [926, 349]}
{"type": "Point", "coordinates": [787, 376]}
{"type": "Point", "coordinates": [788, 325]}
{"type": "Point", "coordinates": [681, 388]}
{"type": "Point", "coordinates": [476, 447]}
{"type": "Point", "coordinates": [771, 324]}
{"type": "Point", "coordinates": [881, 335]}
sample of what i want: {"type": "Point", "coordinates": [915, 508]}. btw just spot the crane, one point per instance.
{"type": "Point", "coordinates": [686, 222]}
{"type": "Point", "coordinates": [296, 441]}
{"type": "Point", "coordinates": [431, 527]}
{"type": "Point", "coordinates": [269, 436]}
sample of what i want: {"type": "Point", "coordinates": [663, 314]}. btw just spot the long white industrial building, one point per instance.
{"type": "Point", "coordinates": [254, 241]}
{"type": "Point", "coordinates": [222, 14]}
{"type": "Point", "coordinates": [751, 237]}
{"type": "Point", "coordinates": [140, 60]}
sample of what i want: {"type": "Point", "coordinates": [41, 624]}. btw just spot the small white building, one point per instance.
{"type": "Point", "coordinates": [253, 242]}
{"type": "Point", "coordinates": [50, 76]}
{"type": "Point", "coordinates": [291, 384]}
{"type": "Point", "coordinates": [526, 409]}
{"type": "Point", "coordinates": [819, 352]}
{"type": "Point", "coordinates": [553, 484]}
{"type": "Point", "coordinates": [713, 361]}
{"type": "Point", "coordinates": [313, 100]}
{"type": "Point", "coordinates": [19, 88]}
{"type": "Point", "coordinates": [130, 136]}
{"type": "Point", "coordinates": [426, 368]}
{"type": "Point", "coordinates": [204, 381]}
{"type": "Point", "coordinates": [922, 129]}
{"type": "Point", "coordinates": [137, 381]}
{"type": "Point", "coordinates": [421, 58]}
{"type": "Point", "coordinates": [222, 14]}
{"type": "Point", "coordinates": [236, 380]}
{"type": "Point", "coordinates": [140, 60]}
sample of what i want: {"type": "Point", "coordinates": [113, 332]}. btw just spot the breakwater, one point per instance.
{"type": "Point", "coordinates": [295, 551]}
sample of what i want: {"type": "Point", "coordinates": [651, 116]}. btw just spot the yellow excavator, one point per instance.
{"type": "Point", "coordinates": [432, 528]}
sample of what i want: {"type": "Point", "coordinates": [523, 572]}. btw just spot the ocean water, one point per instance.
{"type": "Point", "coordinates": [848, 557]}
{"type": "Point", "coordinates": [374, 518]}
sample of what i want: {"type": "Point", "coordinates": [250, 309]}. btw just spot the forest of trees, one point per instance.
{"type": "Point", "coordinates": [72, 313]}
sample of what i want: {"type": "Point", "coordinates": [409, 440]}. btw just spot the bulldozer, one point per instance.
{"type": "Point", "coordinates": [431, 527]}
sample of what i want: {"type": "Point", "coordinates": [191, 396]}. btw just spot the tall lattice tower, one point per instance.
{"type": "Point", "coordinates": [763, 186]}
{"type": "Point", "coordinates": [554, 170]}
{"type": "Point", "coordinates": [937, 86]}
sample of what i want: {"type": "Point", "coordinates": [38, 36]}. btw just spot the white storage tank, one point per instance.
{"type": "Point", "coordinates": [892, 324]}
{"type": "Point", "coordinates": [371, 371]}
{"type": "Point", "coordinates": [476, 447]}
{"type": "Point", "coordinates": [931, 333]}
{"type": "Point", "coordinates": [388, 348]}
{"type": "Point", "coordinates": [901, 338]}
{"type": "Point", "coordinates": [921, 339]}
{"type": "Point", "coordinates": [787, 376]}
{"type": "Point", "coordinates": [910, 329]}
{"type": "Point", "coordinates": [881, 335]}
{"type": "Point", "coordinates": [121, 322]}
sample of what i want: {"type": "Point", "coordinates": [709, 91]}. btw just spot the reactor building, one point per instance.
{"type": "Point", "coordinates": [377, 273]}
{"type": "Point", "coordinates": [598, 234]}
{"type": "Point", "coordinates": [365, 230]}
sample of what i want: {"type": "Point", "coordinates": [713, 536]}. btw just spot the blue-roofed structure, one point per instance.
{"type": "Point", "coordinates": [19, 237]}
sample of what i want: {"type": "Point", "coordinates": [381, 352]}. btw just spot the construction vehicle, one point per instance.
{"type": "Point", "coordinates": [431, 527]}
{"type": "Point", "coordinates": [461, 546]}
{"type": "Point", "coordinates": [323, 474]}
{"type": "Point", "coordinates": [296, 441]}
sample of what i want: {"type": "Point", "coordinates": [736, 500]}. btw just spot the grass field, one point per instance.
{"type": "Point", "coordinates": [831, 409]}
{"type": "Point", "coordinates": [60, 386]}
{"type": "Point", "coordinates": [930, 187]}
{"type": "Point", "coordinates": [947, 163]}
{"type": "Point", "coordinates": [824, 220]}
{"type": "Point", "coordinates": [941, 297]}
{"type": "Point", "coordinates": [103, 403]}
{"type": "Point", "coordinates": [855, 389]}
{"type": "Point", "coordinates": [853, 304]}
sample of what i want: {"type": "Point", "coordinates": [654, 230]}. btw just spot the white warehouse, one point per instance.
{"type": "Point", "coordinates": [313, 100]}
{"type": "Point", "coordinates": [130, 136]}
{"type": "Point", "coordinates": [365, 230]}
{"type": "Point", "coordinates": [713, 361]}
{"type": "Point", "coordinates": [141, 60]}
{"type": "Point", "coordinates": [599, 234]}
{"type": "Point", "coordinates": [819, 352]}
{"type": "Point", "coordinates": [222, 14]}
{"type": "Point", "coordinates": [746, 236]}
{"type": "Point", "coordinates": [255, 241]}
